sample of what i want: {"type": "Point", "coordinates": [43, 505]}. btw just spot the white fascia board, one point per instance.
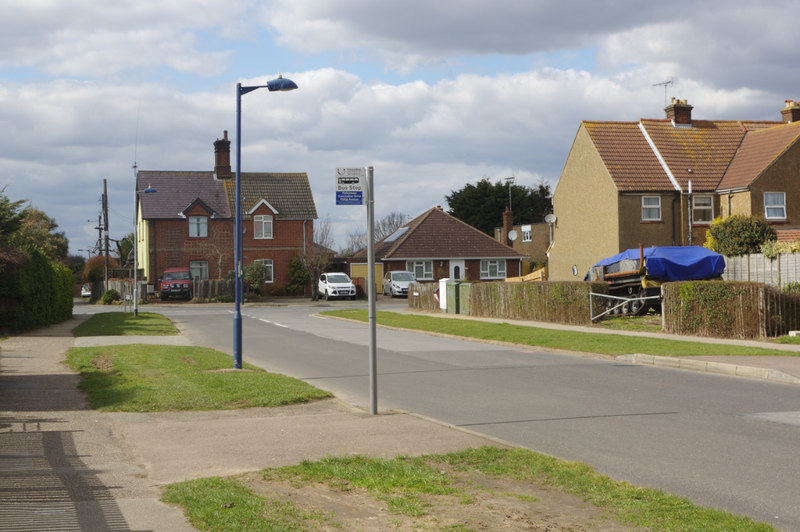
{"type": "Point", "coordinates": [259, 204]}
{"type": "Point", "coordinates": [660, 158]}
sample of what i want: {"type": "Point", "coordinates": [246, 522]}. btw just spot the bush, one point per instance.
{"type": "Point", "coordinates": [298, 276]}
{"type": "Point", "coordinates": [95, 269]}
{"type": "Point", "coordinates": [791, 288]}
{"type": "Point", "coordinates": [738, 235]}
{"type": "Point", "coordinates": [255, 276]}
{"type": "Point", "coordinates": [111, 296]}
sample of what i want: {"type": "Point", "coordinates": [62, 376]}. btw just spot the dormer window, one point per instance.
{"type": "Point", "coordinates": [198, 226]}
{"type": "Point", "coordinates": [262, 226]}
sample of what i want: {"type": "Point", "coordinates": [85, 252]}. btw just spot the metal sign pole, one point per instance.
{"type": "Point", "coordinates": [373, 372]}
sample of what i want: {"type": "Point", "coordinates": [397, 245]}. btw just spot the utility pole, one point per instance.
{"type": "Point", "coordinates": [105, 223]}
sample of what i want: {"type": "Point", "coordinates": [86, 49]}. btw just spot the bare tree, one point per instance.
{"type": "Point", "coordinates": [383, 228]}
{"type": "Point", "coordinates": [318, 254]}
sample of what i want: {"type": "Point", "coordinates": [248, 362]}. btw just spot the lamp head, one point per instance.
{"type": "Point", "coordinates": [281, 84]}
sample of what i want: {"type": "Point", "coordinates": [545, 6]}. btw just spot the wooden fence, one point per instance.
{"type": "Point", "coordinates": [778, 272]}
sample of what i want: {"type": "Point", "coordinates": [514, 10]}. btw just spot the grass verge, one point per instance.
{"type": "Point", "coordinates": [125, 324]}
{"type": "Point", "coordinates": [416, 487]}
{"type": "Point", "coordinates": [603, 343]}
{"type": "Point", "coordinates": [152, 378]}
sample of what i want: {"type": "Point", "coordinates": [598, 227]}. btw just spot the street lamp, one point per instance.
{"type": "Point", "coordinates": [148, 190]}
{"type": "Point", "coordinates": [278, 84]}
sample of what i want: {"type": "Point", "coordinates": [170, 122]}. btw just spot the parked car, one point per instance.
{"type": "Point", "coordinates": [86, 290]}
{"type": "Point", "coordinates": [176, 282]}
{"type": "Point", "coordinates": [396, 283]}
{"type": "Point", "coordinates": [336, 285]}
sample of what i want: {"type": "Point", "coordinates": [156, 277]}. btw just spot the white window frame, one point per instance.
{"type": "Point", "coordinates": [198, 226]}
{"type": "Point", "coordinates": [199, 266]}
{"type": "Point", "coordinates": [493, 269]}
{"type": "Point", "coordinates": [271, 265]}
{"type": "Point", "coordinates": [263, 225]}
{"type": "Point", "coordinates": [425, 268]}
{"type": "Point", "coordinates": [647, 216]}
{"type": "Point", "coordinates": [527, 234]}
{"type": "Point", "coordinates": [702, 208]}
{"type": "Point", "coordinates": [773, 206]}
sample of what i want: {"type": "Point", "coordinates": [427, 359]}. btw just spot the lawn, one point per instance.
{"type": "Point", "coordinates": [602, 343]}
{"type": "Point", "coordinates": [125, 324]}
{"type": "Point", "coordinates": [152, 378]}
{"type": "Point", "coordinates": [475, 489]}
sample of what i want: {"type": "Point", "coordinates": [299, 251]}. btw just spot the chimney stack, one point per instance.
{"type": "Point", "coordinates": [222, 158]}
{"type": "Point", "coordinates": [791, 112]}
{"type": "Point", "coordinates": [508, 224]}
{"type": "Point", "coordinates": [679, 112]}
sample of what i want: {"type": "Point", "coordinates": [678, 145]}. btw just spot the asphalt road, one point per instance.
{"type": "Point", "coordinates": [724, 442]}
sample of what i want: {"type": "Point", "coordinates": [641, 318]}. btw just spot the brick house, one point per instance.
{"type": "Point", "coordinates": [661, 182]}
{"type": "Point", "coordinates": [531, 239]}
{"type": "Point", "coordinates": [189, 220]}
{"type": "Point", "coordinates": [436, 245]}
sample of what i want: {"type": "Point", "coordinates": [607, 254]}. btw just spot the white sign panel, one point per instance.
{"type": "Point", "coordinates": [350, 185]}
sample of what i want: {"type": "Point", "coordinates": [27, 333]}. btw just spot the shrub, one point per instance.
{"type": "Point", "coordinates": [95, 269]}
{"type": "Point", "coordinates": [255, 276]}
{"type": "Point", "coordinates": [298, 276]}
{"type": "Point", "coordinates": [739, 235]}
{"type": "Point", "coordinates": [791, 288]}
{"type": "Point", "coordinates": [111, 296]}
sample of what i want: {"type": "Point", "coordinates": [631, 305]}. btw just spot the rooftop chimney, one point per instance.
{"type": "Point", "coordinates": [679, 112]}
{"type": "Point", "coordinates": [508, 224]}
{"type": "Point", "coordinates": [791, 113]}
{"type": "Point", "coordinates": [222, 158]}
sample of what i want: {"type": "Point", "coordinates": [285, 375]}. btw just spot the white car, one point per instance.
{"type": "Point", "coordinates": [86, 290]}
{"type": "Point", "coordinates": [396, 283]}
{"type": "Point", "coordinates": [336, 285]}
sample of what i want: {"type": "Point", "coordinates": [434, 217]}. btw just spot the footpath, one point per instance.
{"type": "Point", "coordinates": [66, 467]}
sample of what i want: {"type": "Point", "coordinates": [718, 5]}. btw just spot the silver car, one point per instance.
{"type": "Point", "coordinates": [333, 285]}
{"type": "Point", "coordinates": [396, 283]}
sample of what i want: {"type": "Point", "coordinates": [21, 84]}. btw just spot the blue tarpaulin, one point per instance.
{"type": "Point", "coordinates": [674, 263]}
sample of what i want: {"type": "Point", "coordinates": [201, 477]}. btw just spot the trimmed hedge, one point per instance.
{"type": "Point", "coordinates": [728, 309]}
{"type": "Point", "coordinates": [34, 292]}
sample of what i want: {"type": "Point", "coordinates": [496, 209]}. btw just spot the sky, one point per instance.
{"type": "Point", "coordinates": [432, 95]}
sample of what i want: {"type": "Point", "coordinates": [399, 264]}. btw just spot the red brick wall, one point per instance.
{"type": "Point", "coordinates": [170, 245]}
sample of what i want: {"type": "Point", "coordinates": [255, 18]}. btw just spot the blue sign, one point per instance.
{"type": "Point", "coordinates": [349, 197]}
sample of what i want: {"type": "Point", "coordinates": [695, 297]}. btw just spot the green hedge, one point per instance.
{"type": "Point", "coordinates": [728, 309]}
{"type": "Point", "coordinates": [550, 301]}
{"type": "Point", "coordinates": [34, 292]}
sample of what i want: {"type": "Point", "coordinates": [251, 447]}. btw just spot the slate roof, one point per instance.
{"type": "Point", "coordinates": [289, 193]}
{"type": "Point", "coordinates": [656, 155]}
{"type": "Point", "coordinates": [435, 234]}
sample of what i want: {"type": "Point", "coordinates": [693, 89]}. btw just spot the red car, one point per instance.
{"type": "Point", "coordinates": [176, 282]}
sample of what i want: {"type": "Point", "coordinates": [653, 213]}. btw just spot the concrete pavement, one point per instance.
{"type": "Point", "coordinates": [64, 466]}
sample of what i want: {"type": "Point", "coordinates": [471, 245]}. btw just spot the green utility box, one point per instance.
{"type": "Point", "coordinates": [452, 298]}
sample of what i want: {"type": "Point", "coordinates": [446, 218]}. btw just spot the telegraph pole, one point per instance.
{"type": "Point", "coordinates": [105, 224]}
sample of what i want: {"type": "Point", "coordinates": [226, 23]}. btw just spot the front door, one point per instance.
{"type": "Point", "coordinates": [457, 270]}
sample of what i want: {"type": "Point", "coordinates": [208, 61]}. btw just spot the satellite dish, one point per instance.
{"type": "Point", "coordinates": [550, 218]}
{"type": "Point", "coordinates": [512, 235]}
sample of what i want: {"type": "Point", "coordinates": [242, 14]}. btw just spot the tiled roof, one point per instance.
{"type": "Point", "coordinates": [436, 235]}
{"type": "Point", "coordinates": [788, 235]}
{"type": "Point", "coordinates": [701, 152]}
{"type": "Point", "coordinates": [289, 194]}
{"type": "Point", "coordinates": [176, 191]}
{"type": "Point", "coordinates": [628, 157]}
{"type": "Point", "coordinates": [758, 150]}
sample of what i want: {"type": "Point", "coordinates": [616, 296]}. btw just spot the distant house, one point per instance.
{"type": "Point", "coordinates": [189, 220]}
{"type": "Point", "coordinates": [435, 245]}
{"type": "Point", "coordinates": [531, 239]}
{"type": "Point", "coordinates": [661, 182]}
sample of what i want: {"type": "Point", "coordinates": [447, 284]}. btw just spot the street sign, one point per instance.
{"type": "Point", "coordinates": [350, 185]}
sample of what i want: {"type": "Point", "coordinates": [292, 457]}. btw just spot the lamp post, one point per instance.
{"type": "Point", "coordinates": [278, 84]}
{"type": "Point", "coordinates": [148, 190]}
